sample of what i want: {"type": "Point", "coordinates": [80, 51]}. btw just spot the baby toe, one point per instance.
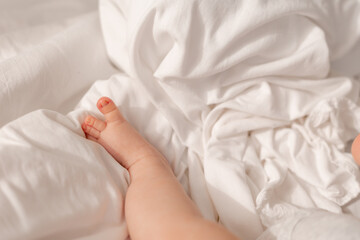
{"type": "Point", "coordinates": [109, 109]}
{"type": "Point", "coordinates": [91, 138]}
{"type": "Point", "coordinates": [95, 123]}
{"type": "Point", "coordinates": [90, 131]}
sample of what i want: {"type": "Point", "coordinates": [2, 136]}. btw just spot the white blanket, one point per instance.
{"type": "Point", "coordinates": [240, 96]}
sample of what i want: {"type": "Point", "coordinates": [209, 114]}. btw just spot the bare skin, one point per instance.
{"type": "Point", "coordinates": [156, 206]}
{"type": "Point", "coordinates": [355, 149]}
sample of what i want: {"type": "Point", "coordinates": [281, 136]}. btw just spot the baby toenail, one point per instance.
{"type": "Point", "coordinates": [89, 121]}
{"type": "Point", "coordinates": [104, 102]}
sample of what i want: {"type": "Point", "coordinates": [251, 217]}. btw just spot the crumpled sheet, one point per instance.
{"type": "Point", "coordinates": [240, 96]}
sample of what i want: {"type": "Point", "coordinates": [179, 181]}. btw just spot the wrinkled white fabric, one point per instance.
{"type": "Point", "coordinates": [246, 86]}
{"type": "Point", "coordinates": [315, 224]}
{"type": "Point", "coordinates": [50, 53]}
{"type": "Point", "coordinates": [240, 96]}
{"type": "Point", "coordinates": [53, 183]}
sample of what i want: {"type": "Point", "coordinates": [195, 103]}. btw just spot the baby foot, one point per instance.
{"type": "Point", "coordinates": [117, 136]}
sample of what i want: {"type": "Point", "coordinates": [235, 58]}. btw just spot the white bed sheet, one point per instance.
{"type": "Point", "coordinates": [252, 103]}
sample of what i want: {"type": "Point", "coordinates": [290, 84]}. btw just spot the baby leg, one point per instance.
{"type": "Point", "coordinates": [156, 206]}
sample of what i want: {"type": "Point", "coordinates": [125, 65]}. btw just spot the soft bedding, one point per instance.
{"type": "Point", "coordinates": [252, 102]}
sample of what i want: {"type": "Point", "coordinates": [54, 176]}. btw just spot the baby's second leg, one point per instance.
{"type": "Point", "coordinates": [156, 206]}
